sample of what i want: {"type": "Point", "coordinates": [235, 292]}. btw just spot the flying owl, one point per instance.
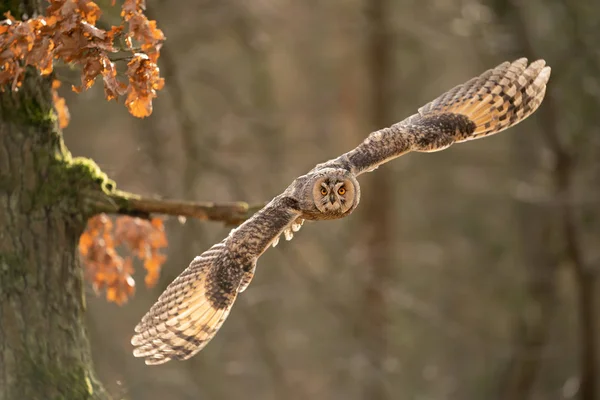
{"type": "Point", "coordinates": [191, 310]}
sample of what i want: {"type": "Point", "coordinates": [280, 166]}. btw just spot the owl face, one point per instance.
{"type": "Point", "coordinates": [334, 195]}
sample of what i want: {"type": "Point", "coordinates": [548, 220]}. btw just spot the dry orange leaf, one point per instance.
{"type": "Point", "coordinates": [106, 269]}
{"type": "Point", "coordinates": [85, 242]}
{"type": "Point", "coordinates": [60, 106]}
{"type": "Point", "coordinates": [139, 106]}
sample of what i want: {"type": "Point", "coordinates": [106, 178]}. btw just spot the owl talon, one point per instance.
{"type": "Point", "coordinates": [276, 241]}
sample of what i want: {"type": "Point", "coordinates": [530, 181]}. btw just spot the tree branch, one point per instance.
{"type": "Point", "coordinates": [119, 202]}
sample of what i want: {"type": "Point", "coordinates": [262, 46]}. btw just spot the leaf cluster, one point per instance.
{"type": "Point", "coordinates": [68, 33]}
{"type": "Point", "coordinates": [106, 269]}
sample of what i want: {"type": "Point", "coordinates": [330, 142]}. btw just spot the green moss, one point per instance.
{"type": "Point", "coordinates": [7, 259]}
{"type": "Point", "coordinates": [10, 279]}
{"type": "Point", "coordinates": [35, 113]}
{"type": "Point", "coordinates": [30, 113]}
{"type": "Point", "coordinates": [73, 184]}
{"type": "Point", "coordinates": [70, 180]}
{"type": "Point", "coordinates": [56, 382]}
{"type": "Point", "coordinates": [32, 104]}
{"type": "Point", "coordinates": [85, 168]}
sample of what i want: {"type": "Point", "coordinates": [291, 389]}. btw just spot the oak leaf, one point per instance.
{"type": "Point", "coordinates": [107, 270]}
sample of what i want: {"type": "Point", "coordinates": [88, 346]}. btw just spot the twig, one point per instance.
{"type": "Point", "coordinates": [124, 58]}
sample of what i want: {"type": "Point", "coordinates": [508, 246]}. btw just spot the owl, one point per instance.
{"type": "Point", "coordinates": [191, 310]}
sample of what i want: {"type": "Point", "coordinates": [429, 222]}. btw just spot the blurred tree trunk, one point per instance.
{"type": "Point", "coordinates": [44, 351]}
{"type": "Point", "coordinates": [556, 214]}
{"type": "Point", "coordinates": [262, 95]}
{"type": "Point", "coordinates": [378, 206]}
{"type": "Point", "coordinates": [582, 30]}
{"type": "Point", "coordinates": [537, 226]}
{"type": "Point", "coordinates": [265, 129]}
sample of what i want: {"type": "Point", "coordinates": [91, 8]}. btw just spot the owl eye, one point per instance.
{"type": "Point", "coordinates": [323, 191]}
{"type": "Point", "coordinates": [342, 191]}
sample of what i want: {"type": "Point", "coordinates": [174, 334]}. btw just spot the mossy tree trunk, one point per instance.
{"type": "Point", "coordinates": [44, 351]}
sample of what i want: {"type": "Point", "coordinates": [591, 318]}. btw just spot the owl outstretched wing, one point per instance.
{"type": "Point", "coordinates": [496, 100]}
{"type": "Point", "coordinates": [195, 305]}
{"type": "Point", "coordinates": [191, 310]}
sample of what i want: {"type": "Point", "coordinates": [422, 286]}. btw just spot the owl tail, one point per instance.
{"type": "Point", "coordinates": [496, 100]}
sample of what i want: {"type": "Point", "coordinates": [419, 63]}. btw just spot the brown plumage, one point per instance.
{"type": "Point", "coordinates": [496, 100]}
{"type": "Point", "coordinates": [191, 309]}
{"type": "Point", "coordinates": [194, 306]}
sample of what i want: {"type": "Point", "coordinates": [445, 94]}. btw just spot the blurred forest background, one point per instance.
{"type": "Point", "coordinates": [465, 274]}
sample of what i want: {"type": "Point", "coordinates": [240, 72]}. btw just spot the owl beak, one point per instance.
{"type": "Point", "coordinates": [332, 198]}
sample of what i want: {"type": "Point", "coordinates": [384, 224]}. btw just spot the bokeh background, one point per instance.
{"type": "Point", "coordinates": [464, 274]}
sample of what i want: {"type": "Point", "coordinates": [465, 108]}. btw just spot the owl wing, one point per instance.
{"type": "Point", "coordinates": [193, 307]}
{"type": "Point", "coordinates": [496, 100]}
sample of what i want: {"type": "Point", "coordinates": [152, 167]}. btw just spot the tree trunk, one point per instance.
{"type": "Point", "coordinates": [564, 222]}
{"type": "Point", "coordinates": [44, 351]}
{"type": "Point", "coordinates": [538, 241]}
{"type": "Point", "coordinates": [378, 210]}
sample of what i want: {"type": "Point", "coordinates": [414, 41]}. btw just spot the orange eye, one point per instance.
{"type": "Point", "coordinates": [323, 191]}
{"type": "Point", "coordinates": [342, 191]}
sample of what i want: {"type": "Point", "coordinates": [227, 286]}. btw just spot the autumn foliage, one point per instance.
{"type": "Point", "coordinates": [105, 268]}
{"type": "Point", "coordinates": [68, 33]}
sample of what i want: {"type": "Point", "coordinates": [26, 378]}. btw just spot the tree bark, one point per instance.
{"type": "Point", "coordinates": [44, 351]}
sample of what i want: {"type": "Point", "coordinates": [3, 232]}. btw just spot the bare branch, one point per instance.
{"type": "Point", "coordinates": [119, 202]}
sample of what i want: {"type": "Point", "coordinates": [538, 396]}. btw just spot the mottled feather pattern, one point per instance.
{"type": "Point", "coordinates": [191, 309]}
{"type": "Point", "coordinates": [497, 99]}
{"type": "Point", "coordinates": [194, 306]}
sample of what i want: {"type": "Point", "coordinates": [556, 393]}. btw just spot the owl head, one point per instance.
{"type": "Point", "coordinates": [328, 194]}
